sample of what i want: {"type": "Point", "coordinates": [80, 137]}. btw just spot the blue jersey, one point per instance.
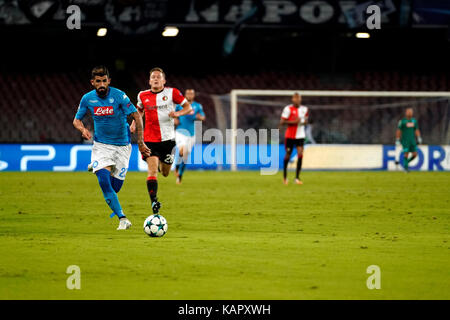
{"type": "Point", "coordinates": [109, 114]}
{"type": "Point", "coordinates": [186, 125]}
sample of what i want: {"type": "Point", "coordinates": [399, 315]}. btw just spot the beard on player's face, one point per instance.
{"type": "Point", "coordinates": [101, 91]}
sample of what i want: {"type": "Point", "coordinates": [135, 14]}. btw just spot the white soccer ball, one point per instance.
{"type": "Point", "coordinates": [155, 225]}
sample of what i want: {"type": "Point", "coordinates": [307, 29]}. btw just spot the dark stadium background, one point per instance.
{"type": "Point", "coordinates": [44, 66]}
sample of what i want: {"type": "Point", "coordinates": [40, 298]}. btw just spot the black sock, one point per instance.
{"type": "Point", "coordinates": [411, 159]}
{"type": "Point", "coordinates": [152, 187]}
{"type": "Point", "coordinates": [299, 167]}
{"type": "Point", "coordinates": [285, 164]}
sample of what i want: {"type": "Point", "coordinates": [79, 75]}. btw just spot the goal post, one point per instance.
{"type": "Point", "coordinates": [235, 94]}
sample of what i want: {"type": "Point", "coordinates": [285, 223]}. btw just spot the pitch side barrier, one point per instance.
{"type": "Point", "coordinates": [266, 158]}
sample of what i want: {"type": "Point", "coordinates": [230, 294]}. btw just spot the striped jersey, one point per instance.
{"type": "Point", "coordinates": [290, 113]}
{"type": "Point", "coordinates": [157, 106]}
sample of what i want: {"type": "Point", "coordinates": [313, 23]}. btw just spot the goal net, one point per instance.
{"type": "Point", "coordinates": [337, 117]}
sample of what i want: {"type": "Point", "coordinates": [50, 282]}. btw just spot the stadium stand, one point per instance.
{"type": "Point", "coordinates": [40, 107]}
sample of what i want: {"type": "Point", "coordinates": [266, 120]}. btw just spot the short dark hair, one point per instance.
{"type": "Point", "coordinates": [158, 69]}
{"type": "Point", "coordinates": [99, 71]}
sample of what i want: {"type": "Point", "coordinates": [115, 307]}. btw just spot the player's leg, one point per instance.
{"type": "Point", "coordinates": [104, 180]}
{"type": "Point", "coordinates": [178, 157]}
{"type": "Point", "coordinates": [152, 182]}
{"type": "Point", "coordinates": [181, 162]}
{"type": "Point", "coordinates": [186, 149]}
{"type": "Point", "coordinates": [102, 160]}
{"type": "Point", "coordinates": [166, 156]}
{"type": "Point", "coordinates": [116, 183]}
{"type": "Point", "coordinates": [118, 174]}
{"type": "Point", "coordinates": [405, 160]}
{"type": "Point", "coordinates": [299, 163]}
{"type": "Point", "coordinates": [122, 160]}
{"type": "Point", "coordinates": [413, 156]}
{"type": "Point", "coordinates": [288, 147]}
{"type": "Point", "coordinates": [413, 151]}
{"type": "Point", "coordinates": [179, 153]}
{"type": "Point", "coordinates": [165, 169]}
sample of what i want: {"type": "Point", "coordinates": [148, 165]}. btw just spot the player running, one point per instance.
{"type": "Point", "coordinates": [185, 132]}
{"type": "Point", "coordinates": [295, 116]}
{"type": "Point", "coordinates": [158, 106]}
{"type": "Point", "coordinates": [407, 132]}
{"type": "Point", "coordinates": [111, 151]}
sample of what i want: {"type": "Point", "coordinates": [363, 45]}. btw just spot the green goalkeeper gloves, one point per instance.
{"type": "Point", "coordinates": [397, 142]}
{"type": "Point", "coordinates": [419, 140]}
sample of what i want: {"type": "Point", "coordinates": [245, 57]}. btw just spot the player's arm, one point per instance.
{"type": "Point", "coordinates": [200, 114]}
{"type": "Point", "coordinates": [85, 133]}
{"type": "Point", "coordinates": [133, 123]}
{"type": "Point", "coordinates": [284, 121]}
{"type": "Point", "coordinates": [398, 133]}
{"type": "Point", "coordinates": [78, 124]}
{"type": "Point", "coordinates": [285, 116]}
{"type": "Point", "coordinates": [418, 136]}
{"type": "Point", "coordinates": [186, 109]}
{"type": "Point", "coordinates": [140, 110]}
{"type": "Point", "coordinates": [137, 120]}
{"type": "Point", "coordinates": [176, 121]}
{"type": "Point", "coordinates": [178, 98]}
{"type": "Point", "coordinates": [306, 118]}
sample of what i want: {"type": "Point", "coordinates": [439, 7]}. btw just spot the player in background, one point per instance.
{"type": "Point", "coordinates": [111, 151]}
{"type": "Point", "coordinates": [407, 132]}
{"type": "Point", "coordinates": [295, 116]}
{"type": "Point", "coordinates": [158, 106]}
{"type": "Point", "coordinates": [185, 132]}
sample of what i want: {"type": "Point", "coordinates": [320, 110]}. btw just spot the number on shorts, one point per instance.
{"type": "Point", "coordinates": [169, 158]}
{"type": "Point", "coordinates": [122, 172]}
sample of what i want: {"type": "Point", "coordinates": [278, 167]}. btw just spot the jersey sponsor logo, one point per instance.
{"type": "Point", "coordinates": [162, 106]}
{"type": "Point", "coordinates": [410, 124]}
{"type": "Point", "coordinates": [104, 111]}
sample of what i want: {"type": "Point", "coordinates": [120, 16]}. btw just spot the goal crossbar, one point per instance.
{"type": "Point", "coordinates": [234, 94]}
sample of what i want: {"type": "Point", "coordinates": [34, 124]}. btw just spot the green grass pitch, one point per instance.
{"type": "Point", "coordinates": [231, 236]}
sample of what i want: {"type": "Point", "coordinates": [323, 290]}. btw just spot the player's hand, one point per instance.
{"type": "Point", "coordinates": [397, 142]}
{"type": "Point", "coordinates": [86, 134]}
{"type": "Point", "coordinates": [133, 126]}
{"type": "Point", "coordinates": [173, 114]}
{"type": "Point", "coordinates": [145, 151]}
{"type": "Point", "coordinates": [419, 140]}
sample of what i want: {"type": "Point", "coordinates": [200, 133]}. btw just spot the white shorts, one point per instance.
{"type": "Point", "coordinates": [184, 140]}
{"type": "Point", "coordinates": [108, 155]}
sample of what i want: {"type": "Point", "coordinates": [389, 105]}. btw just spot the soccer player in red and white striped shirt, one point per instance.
{"type": "Point", "coordinates": [295, 116]}
{"type": "Point", "coordinates": [158, 106]}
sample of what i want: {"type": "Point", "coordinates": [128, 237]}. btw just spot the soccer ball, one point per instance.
{"type": "Point", "coordinates": [155, 225]}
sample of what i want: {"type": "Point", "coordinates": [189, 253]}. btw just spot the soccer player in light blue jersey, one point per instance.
{"type": "Point", "coordinates": [185, 132]}
{"type": "Point", "coordinates": [111, 152]}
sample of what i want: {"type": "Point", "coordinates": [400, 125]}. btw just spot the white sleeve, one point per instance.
{"type": "Point", "coordinates": [140, 106]}
{"type": "Point", "coordinates": [286, 112]}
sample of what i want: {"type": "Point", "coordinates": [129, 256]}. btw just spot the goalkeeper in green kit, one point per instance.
{"type": "Point", "coordinates": [407, 133]}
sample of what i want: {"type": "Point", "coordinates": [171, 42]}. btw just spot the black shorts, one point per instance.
{"type": "Point", "coordinates": [163, 150]}
{"type": "Point", "coordinates": [289, 144]}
